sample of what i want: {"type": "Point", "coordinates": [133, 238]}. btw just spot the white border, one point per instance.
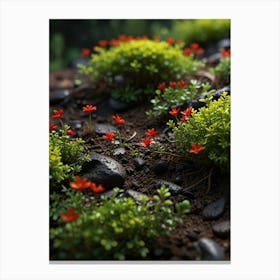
{"type": "Point", "coordinates": [24, 140]}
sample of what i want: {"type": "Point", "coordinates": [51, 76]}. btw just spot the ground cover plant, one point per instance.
{"type": "Point", "coordinates": [141, 173]}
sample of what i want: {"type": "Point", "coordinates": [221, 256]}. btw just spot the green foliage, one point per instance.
{"type": "Point", "coordinates": [175, 96]}
{"type": "Point", "coordinates": [142, 63]}
{"type": "Point", "coordinates": [115, 228]}
{"type": "Point", "coordinates": [210, 126]}
{"type": "Point", "coordinates": [202, 31]}
{"type": "Point", "coordinates": [222, 70]}
{"type": "Point", "coordinates": [66, 156]}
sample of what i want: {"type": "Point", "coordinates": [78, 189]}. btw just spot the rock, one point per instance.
{"type": "Point", "coordinates": [104, 170]}
{"type": "Point", "coordinates": [108, 194]}
{"type": "Point", "coordinates": [59, 95]}
{"type": "Point", "coordinates": [101, 129]}
{"type": "Point", "coordinates": [222, 229]}
{"type": "Point", "coordinates": [74, 63]}
{"type": "Point", "coordinates": [173, 188]}
{"type": "Point", "coordinates": [139, 163]}
{"type": "Point", "coordinates": [119, 79]}
{"type": "Point", "coordinates": [118, 105]}
{"type": "Point", "coordinates": [210, 250]}
{"type": "Point", "coordinates": [76, 124]}
{"type": "Point", "coordinates": [214, 58]}
{"type": "Point", "coordinates": [160, 167]}
{"type": "Point", "coordinates": [223, 44]}
{"type": "Point", "coordinates": [192, 236]}
{"type": "Point", "coordinates": [214, 210]}
{"type": "Point", "coordinates": [196, 230]}
{"type": "Point", "coordinates": [135, 195]}
{"type": "Point", "coordinates": [218, 92]}
{"type": "Point", "coordinates": [119, 151]}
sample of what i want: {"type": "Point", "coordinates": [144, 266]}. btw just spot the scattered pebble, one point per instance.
{"type": "Point", "coordinates": [210, 250]}
{"type": "Point", "coordinates": [214, 210]}
{"type": "Point", "coordinates": [101, 129]}
{"type": "Point", "coordinates": [222, 229]}
{"type": "Point", "coordinates": [139, 163]}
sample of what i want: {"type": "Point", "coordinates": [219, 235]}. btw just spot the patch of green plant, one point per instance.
{"type": "Point", "coordinates": [209, 127]}
{"type": "Point", "coordinates": [66, 156]}
{"type": "Point", "coordinates": [143, 63]}
{"type": "Point", "coordinates": [222, 71]}
{"type": "Point", "coordinates": [116, 228]}
{"type": "Point", "coordinates": [172, 96]}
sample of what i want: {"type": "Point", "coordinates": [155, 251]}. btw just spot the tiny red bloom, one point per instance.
{"type": "Point", "coordinates": [146, 142]}
{"type": "Point", "coordinates": [96, 189]}
{"type": "Point", "coordinates": [196, 148]}
{"type": "Point", "coordinates": [199, 51]}
{"type": "Point", "coordinates": [85, 52]}
{"type": "Point", "coordinates": [156, 38]}
{"type": "Point", "coordinates": [109, 136]}
{"type": "Point", "coordinates": [174, 112]}
{"type": "Point", "coordinates": [151, 132]}
{"type": "Point", "coordinates": [80, 184]}
{"type": "Point", "coordinates": [122, 37]}
{"type": "Point", "coordinates": [162, 86]}
{"type": "Point", "coordinates": [102, 43]}
{"type": "Point", "coordinates": [70, 132]}
{"type": "Point", "coordinates": [184, 118]}
{"type": "Point", "coordinates": [69, 216]}
{"type": "Point", "coordinates": [187, 112]}
{"type": "Point", "coordinates": [170, 41]}
{"type": "Point", "coordinates": [172, 84]}
{"type": "Point", "coordinates": [118, 119]}
{"type": "Point", "coordinates": [114, 42]}
{"type": "Point", "coordinates": [181, 84]}
{"type": "Point", "coordinates": [187, 51]}
{"type": "Point", "coordinates": [57, 114]}
{"type": "Point", "coordinates": [89, 108]}
{"type": "Point", "coordinates": [225, 53]}
{"type": "Point", "coordinates": [52, 127]}
{"type": "Point", "coordinates": [194, 46]}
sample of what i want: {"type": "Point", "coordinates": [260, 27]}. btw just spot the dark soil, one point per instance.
{"type": "Point", "coordinates": [205, 184]}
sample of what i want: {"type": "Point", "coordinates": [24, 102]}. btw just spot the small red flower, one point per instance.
{"type": "Point", "coordinates": [174, 112]}
{"type": "Point", "coordinates": [194, 46]}
{"type": "Point", "coordinates": [80, 184]}
{"type": "Point", "coordinates": [109, 136]}
{"type": "Point", "coordinates": [96, 189]}
{"type": "Point", "coordinates": [114, 42]}
{"type": "Point", "coordinates": [52, 127]}
{"type": "Point", "coordinates": [187, 51]}
{"type": "Point", "coordinates": [151, 132]}
{"type": "Point", "coordinates": [70, 132]}
{"type": "Point", "coordinates": [199, 51]}
{"type": "Point", "coordinates": [184, 118]}
{"type": "Point", "coordinates": [225, 53]}
{"type": "Point", "coordinates": [181, 42]}
{"type": "Point", "coordinates": [181, 84]}
{"type": "Point", "coordinates": [102, 43]}
{"type": "Point", "coordinates": [170, 41]}
{"type": "Point", "coordinates": [89, 108]}
{"type": "Point", "coordinates": [172, 84]}
{"type": "Point", "coordinates": [196, 148]}
{"type": "Point", "coordinates": [187, 112]}
{"type": "Point", "coordinates": [85, 52]}
{"type": "Point", "coordinates": [146, 142]}
{"type": "Point", "coordinates": [118, 119]}
{"type": "Point", "coordinates": [69, 216]}
{"type": "Point", "coordinates": [156, 38]}
{"type": "Point", "coordinates": [161, 86]}
{"type": "Point", "coordinates": [57, 114]}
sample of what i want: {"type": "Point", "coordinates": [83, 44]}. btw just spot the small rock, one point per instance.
{"type": "Point", "coordinates": [222, 229]}
{"type": "Point", "coordinates": [108, 194]}
{"type": "Point", "coordinates": [58, 96]}
{"type": "Point", "coordinates": [139, 163]}
{"type": "Point", "coordinates": [192, 236]}
{"type": "Point", "coordinates": [74, 63]}
{"type": "Point", "coordinates": [104, 170]}
{"type": "Point", "coordinates": [197, 231]}
{"type": "Point", "coordinates": [160, 167]}
{"type": "Point", "coordinates": [118, 105]}
{"type": "Point", "coordinates": [214, 210]}
{"type": "Point", "coordinates": [135, 195]}
{"type": "Point", "coordinates": [76, 124]}
{"type": "Point", "coordinates": [214, 58]}
{"type": "Point", "coordinates": [119, 79]}
{"type": "Point", "coordinates": [223, 44]}
{"type": "Point", "coordinates": [101, 129]}
{"type": "Point", "coordinates": [173, 188]}
{"type": "Point", "coordinates": [119, 151]}
{"type": "Point", "coordinates": [218, 92]}
{"type": "Point", "coordinates": [210, 250]}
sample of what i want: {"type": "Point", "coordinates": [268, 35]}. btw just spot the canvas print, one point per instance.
{"type": "Point", "coordinates": [139, 140]}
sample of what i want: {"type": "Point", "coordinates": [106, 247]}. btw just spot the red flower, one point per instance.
{"type": "Point", "coordinates": [96, 189]}
{"type": "Point", "coordinates": [196, 148]}
{"type": "Point", "coordinates": [156, 38]}
{"type": "Point", "coordinates": [114, 42]}
{"type": "Point", "coordinates": [85, 52]}
{"type": "Point", "coordinates": [70, 132]}
{"type": "Point", "coordinates": [184, 118]}
{"type": "Point", "coordinates": [69, 216]}
{"type": "Point", "coordinates": [162, 86]}
{"type": "Point", "coordinates": [109, 136]}
{"type": "Point", "coordinates": [194, 46]}
{"type": "Point", "coordinates": [225, 53]}
{"type": "Point", "coordinates": [57, 114]}
{"type": "Point", "coordinates": [187, 51]}
{"type": "Point", "coordinates": [146, 142]}
{"type": "Point", "coordinates": [172, 84]}
{"type": "Point", "coordinates": [182, 84]}
{"type": "Point", "coordinates": [199, 51]}
{"type": "Point", "coordinates": [181, 42]}
{"type": "Point", "coordinates": [151, 132]}
{"type": "Point", "coordinates": [80, 183]}
{"type": "Point", "coordinates": [174, 112]}
{"type": "Point", "coordinates": [170, 41]}
{"type": "Point", "coordinates": [89, 108]}
{"type": "Point", "coordinates": [187, 112]}
{"type": "Point", "coordinates": [118, 119]}
{"type": "Point", "coordinates": [52, 127]}
{"type": "Point", "coordinates": [102, 43]}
